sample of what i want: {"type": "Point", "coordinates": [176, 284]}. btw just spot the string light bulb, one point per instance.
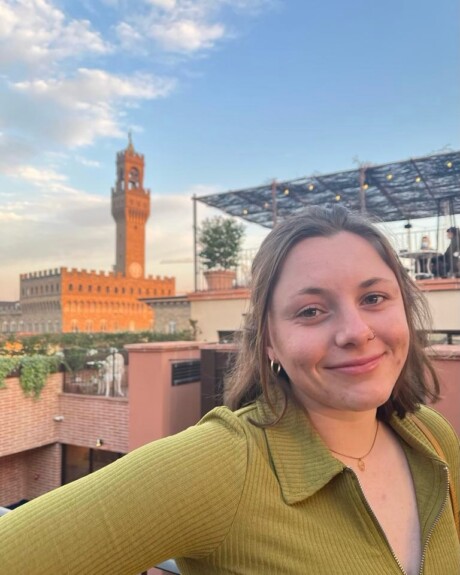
{"type": "Point", "coordinates": [311, 187]}
{"type": "Point", "coordinates": [338, 198]}
{"type": "Point", "coordinates": [449, 164]}
{"type": "Point", "coordinates": [418, 179]}
{"type": "Point", "coordinates": [389, 177]}
{"type": "Point", "coordinates": [365, 186]}
{"type": "Point", "coordinates": [286, 192]}
{"type": "Point", "coordinates": [245, 212]}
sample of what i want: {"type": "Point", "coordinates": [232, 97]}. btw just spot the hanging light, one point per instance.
{"type": "Point", "coordinates": [418, 179]}
{"type": "Point", "coordinates": [338, 198]}
{"type": "Point", "coordinates": [449, 164]}
{"type": "Point", "coordinates": [245, 212]}
{"type": "Point", "coordinates": [389, 177]}
{"type": "Point", "coordinates": [311, 187]}
{"type": "Point", "coordinates": [286, 192]}
{"type": "Point", "coordinates": [266, 205]}
{"type": "Point", "coordinates": [365, 186]}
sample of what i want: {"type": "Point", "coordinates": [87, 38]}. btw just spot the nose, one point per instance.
{"type": "Point", "coordinates": [352, 329]}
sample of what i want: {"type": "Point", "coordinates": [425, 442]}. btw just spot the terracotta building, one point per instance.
{"type": "Point", "coordinates": [66, 300]}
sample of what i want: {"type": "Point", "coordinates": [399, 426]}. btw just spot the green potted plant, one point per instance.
{"type": "Point", "coordinates": [220, 240]}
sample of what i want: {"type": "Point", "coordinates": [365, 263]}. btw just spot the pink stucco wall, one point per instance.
{"type": "Point", "coordinates": [156, 408]}
{"type": "Point", "coordinates": [446, 361]}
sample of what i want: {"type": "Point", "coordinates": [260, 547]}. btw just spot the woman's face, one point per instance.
{"type": "Point", "coordinates": [333, 294]}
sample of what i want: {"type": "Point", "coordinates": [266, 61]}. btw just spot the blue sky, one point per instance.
{"type": "Point", "coordinates": [219, 94]}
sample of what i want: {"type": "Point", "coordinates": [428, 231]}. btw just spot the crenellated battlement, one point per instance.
{"type": "Point", "coordinates": [132, 153]}
{"type": "Point", "coordinates": [139, 191]}
{"type": "Point", "coordinates": [87, 274]}
{"type": "Point", "coordinates": [72, 299]}
{"type": "Point", "coordinates": [42, 274]}
{"type": "Point", "coordinates": [104, 274]}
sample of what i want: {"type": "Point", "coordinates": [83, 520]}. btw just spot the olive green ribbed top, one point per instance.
{"type": "Point", "coordinates": [225, 497]}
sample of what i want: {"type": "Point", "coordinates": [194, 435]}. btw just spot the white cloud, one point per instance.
{"type": "Point", "coordinates": [183, 26]}
{"type": "Point", "coordinates": [49, 105]}
{"type": "Point", "coordinates": [185, 35]}
{"type": "Point", "coordinates": [34, 32]}
{"type": "Point", "coordinates": [90, 86]}
{"type": "Point", "coordinates": [165, 4]}
{"type": "Point", "coordinates": [87, 162]}
{"type": "Point", "coordinates": [129, 37]}
{"type": "Point", "coordinates": [38, 176]}
{"type": "Point", "coordinates": [75, 111]}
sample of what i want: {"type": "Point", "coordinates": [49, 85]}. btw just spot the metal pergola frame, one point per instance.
{"type": "Point", "coordinates": [411, 189]}
{"type": "Point", "coordinates": [427, 186]}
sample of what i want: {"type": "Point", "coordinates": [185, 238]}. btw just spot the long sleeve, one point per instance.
{"type": "Point", "coordinates": [170, 498]}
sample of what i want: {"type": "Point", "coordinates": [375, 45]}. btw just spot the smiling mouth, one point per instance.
{"type": "Point", "coordinates": [358, 366]}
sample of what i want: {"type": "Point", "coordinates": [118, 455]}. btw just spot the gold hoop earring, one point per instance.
{"type": "Point", "coordinates": [275, 368]}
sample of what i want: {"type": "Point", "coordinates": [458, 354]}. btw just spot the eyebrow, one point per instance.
{"type": "Point", "coordinates": [364, 284]}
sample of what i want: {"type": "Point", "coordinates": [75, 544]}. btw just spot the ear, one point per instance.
{"type": "Point", "coordinates": [269, 347]}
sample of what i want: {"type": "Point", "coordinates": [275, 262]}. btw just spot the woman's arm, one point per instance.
{"type": "Point", "coordinates": [174, 497]}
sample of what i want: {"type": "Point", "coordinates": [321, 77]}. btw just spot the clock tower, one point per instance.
{"type": "Point", "coordinates": [131, 210]}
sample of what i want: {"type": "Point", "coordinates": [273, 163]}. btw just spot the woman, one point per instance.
{"type": "Point", "coordinates": [322, 470]}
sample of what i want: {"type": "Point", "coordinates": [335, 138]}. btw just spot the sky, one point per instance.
{"type": "Point", "coordinates": [218, 95]}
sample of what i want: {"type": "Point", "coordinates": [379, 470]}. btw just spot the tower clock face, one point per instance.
{"type": "Point", "coordinates": [135, 270]}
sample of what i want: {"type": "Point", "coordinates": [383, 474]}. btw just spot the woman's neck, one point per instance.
{"type": "Point", "coordinates": [347, 432]}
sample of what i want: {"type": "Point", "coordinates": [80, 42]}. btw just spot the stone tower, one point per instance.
{"type": "Point", "coordinates": [130, 209]}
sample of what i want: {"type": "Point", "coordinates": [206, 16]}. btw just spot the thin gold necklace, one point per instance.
{"type": "Point", "coordinates": [361, 464]}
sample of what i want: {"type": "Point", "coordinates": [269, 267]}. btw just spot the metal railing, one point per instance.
{"type": "Point", "coordinates": [401, 241]}
{"type": "Point", "coordinates": [104, 375]}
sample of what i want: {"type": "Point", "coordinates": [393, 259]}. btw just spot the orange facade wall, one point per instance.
{"type": "Point", "coordinates": [93, 302]}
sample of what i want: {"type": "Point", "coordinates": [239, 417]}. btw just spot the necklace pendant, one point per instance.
{"type": "Point", "coordinates": [361, 465]}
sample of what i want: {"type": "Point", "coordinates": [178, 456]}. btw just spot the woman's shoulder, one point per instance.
{"type": "Point", "coordinates": [437, 423]}
{"type": "Point", "coordinates": [443, 433]}
{"type": "Point", "coordinates": [230, 422]}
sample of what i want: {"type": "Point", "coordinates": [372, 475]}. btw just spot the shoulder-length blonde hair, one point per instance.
{"type": "Point", "coordinates": [251, 376]}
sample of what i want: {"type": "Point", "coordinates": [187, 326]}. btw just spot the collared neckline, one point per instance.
{"type": "Point", "coordinates": [301, 460]}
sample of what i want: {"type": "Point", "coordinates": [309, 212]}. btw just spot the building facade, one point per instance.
{"type": "Point", "coordinates": [72, 300]}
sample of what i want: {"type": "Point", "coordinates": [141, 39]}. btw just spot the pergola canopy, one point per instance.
{"type": "Point", "coordinates": [414, 188]}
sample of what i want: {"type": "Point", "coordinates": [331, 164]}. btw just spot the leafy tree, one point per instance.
{"type": "Point", "coordinates": [220, 239]}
